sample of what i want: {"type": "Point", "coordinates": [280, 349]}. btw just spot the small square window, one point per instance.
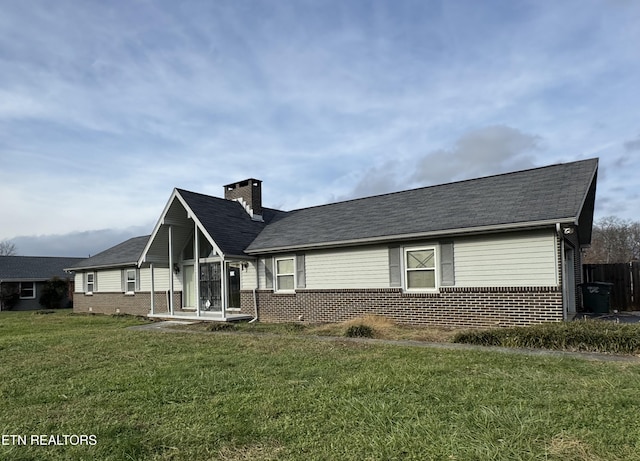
{"type": "Point", "coordinates": [420, 268]}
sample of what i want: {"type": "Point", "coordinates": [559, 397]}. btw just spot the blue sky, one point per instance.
{"type": "Point", "coordinates": [105, 107]}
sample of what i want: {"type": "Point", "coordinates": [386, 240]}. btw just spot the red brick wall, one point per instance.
{"type": "Point", "coordinates": [119, 303]}
{"type": "Point", "coordinates": [456, 307]}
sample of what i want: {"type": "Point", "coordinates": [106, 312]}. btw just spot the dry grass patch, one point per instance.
{"type": "Point", "coordinates": [569, 448]}
{"type": "Point", "coordinates": [382, 328]}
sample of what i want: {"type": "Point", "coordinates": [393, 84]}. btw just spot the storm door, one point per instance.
{"type": "Point", "coordinates": [189, 283]}
{"type": "Point", "coordinates": [233, 285]}
{"type": "Point", "coordinates": [211, 287]}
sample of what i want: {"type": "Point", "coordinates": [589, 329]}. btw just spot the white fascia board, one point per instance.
{"type": "Point", "coordinates": [106, 266]}
{"type": "Point", "coordinates": [163, 220]}
{"type": "Point", "coordinates": [415, 236]}
{"type": "Point", "coordinates": [193, 216]}
{"type": "Point", "coordinates": [143, 256]}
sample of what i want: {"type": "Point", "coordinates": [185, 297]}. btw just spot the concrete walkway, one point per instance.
{"type": "Point", "coordinates": [170, 326]}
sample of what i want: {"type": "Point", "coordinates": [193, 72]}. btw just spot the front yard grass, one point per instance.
{"type": "Point", "coordinates": [180, 396]}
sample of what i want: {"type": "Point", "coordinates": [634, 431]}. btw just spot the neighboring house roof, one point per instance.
{"type": "Point", "coordinates": [34, 268]}
{"type": "Point", "coordinates": [540, 196]}
{"type": "Point", "coordinates": [123, 254]}
{"type": "Point", "coordinates": [226, 221]}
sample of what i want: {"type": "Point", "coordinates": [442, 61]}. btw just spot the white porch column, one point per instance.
{"type": "Point", "coordinates": [196, 266]}
{"type": "Point", "coordinates": [153, 291]}
{"type": "Point", "coordinates": [170, 270]}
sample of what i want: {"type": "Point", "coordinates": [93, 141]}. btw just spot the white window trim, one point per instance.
{"type": "Point", "coordinates": [276, 285]}
{"type": "Point", "coordinates": [127, 281]}
{"type": "Point", "coordinates": [93, 283]}
{"type": "Point", "coordinates": [33, 284]}
{"type": "Point", "coordinates": [405, 269]}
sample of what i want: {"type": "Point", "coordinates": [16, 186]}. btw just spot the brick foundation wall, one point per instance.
{"type": "Point", "coordinates": [455, 307]}
{"type": "Point", "coordinates": [119, 303]}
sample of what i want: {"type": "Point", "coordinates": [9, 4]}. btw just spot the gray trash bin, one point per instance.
{"type": "Point", "coordinates": [596, 296]}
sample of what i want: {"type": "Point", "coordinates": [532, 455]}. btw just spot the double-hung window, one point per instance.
{"type": "Point", "coordinates": [90, 282]}
{"type": "Point", "coordinates": [420, 268]}
{"type": "Point", "coordinates": [285, 274]}
{"type": "Point", "coordinates": [27, 290]}
{"type": "Point", "coordinates": [130, 281]}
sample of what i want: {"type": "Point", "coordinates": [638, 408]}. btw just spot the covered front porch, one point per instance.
{"type": "Point", "coordinates": [203, 283]}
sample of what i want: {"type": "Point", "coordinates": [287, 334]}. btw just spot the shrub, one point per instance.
{"type": "Point", "coordinates": [588, 336]}
{"type": "Point", "coordinates": [359, 331]}
{"type": "Point", "coordinates": [221, 326]}
{"type": "Point", "coordinates": [9, 295]}
{"type": "Point", "coordinates": [54, 293]}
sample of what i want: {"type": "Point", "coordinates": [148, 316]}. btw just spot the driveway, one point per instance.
{"type": "Point", "coordinates": [618, 317]}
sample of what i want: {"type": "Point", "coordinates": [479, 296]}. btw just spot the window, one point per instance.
{"type": "Point", "coordinates": [91, 282]}
{"type": "Point", "coordinates": [285, 274]}
{"type": "Point", "coordinates": [130, 281]}
{"type": "Point", "coordinates": [27, 290]}
{"type": "Point", "coordinates": [420, 268]}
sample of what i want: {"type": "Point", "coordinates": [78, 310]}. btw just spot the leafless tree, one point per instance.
{"type": "Point", "coordinates": [614, 240]}
{"type": "Point", "coordinates": [7, 248]}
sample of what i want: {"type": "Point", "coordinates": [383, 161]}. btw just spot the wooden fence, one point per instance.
{"type": "Point", "coordinates": [625, 294]}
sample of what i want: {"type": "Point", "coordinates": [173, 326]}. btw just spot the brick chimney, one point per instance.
{"type": "Point", "coordinates": [249, 194]}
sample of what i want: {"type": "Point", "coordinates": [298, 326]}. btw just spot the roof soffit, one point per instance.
{"type": "Point", "coordinates": [167, 219]}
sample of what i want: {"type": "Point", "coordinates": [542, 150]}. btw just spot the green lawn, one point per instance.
{"type": "Point", "coordinates": [208, 396]}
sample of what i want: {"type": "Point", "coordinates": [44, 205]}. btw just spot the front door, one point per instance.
{"type": "Point", "coordinates": [189, 283]}
{"type": "Point", "coordinates": [233, 285]}
{"type": "Point", "coordinates": [211, 287]}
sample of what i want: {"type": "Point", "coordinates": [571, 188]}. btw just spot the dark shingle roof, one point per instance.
{"type": "Point", "coordinates": [125, 253]}
{"type": "Point", "coordinates": [34, 268]}
{"type": "Point", "coordinates": [226, 221]}
{"type": "Point", "coordinates": [552, 193]}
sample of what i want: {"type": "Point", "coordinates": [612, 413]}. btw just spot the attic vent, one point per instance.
{"type": "Point", "coordinates": [249, 193]}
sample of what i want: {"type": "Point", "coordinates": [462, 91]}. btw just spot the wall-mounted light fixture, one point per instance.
{"type": "Point", "coordinates": [569, 230]}
{"type": "Point", "coordinates": [176, 268]}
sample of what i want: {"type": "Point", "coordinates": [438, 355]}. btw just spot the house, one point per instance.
{"type": "Point", "coordinates": [497, 250]}
{"type": "Point", "coordinates": [26, 275]}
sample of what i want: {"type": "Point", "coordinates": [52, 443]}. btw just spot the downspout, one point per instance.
{"type": "Point", "coordinates": [255, 296]}
{"type": "Point", "coordinates": [170, 270]}
{"type": "Point", "coordinates": [562, 274]}
{"type": "Point", "coordinates": [153, 290]}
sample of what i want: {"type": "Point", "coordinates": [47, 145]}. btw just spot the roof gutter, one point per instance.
{"type": "Point", "coordinates": [102, 266]}
{"type": "Point", "coordinates": [418, 235]}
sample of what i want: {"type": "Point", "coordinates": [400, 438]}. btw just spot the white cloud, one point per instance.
{"type": "Point", "coordinates": [488, 150]}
